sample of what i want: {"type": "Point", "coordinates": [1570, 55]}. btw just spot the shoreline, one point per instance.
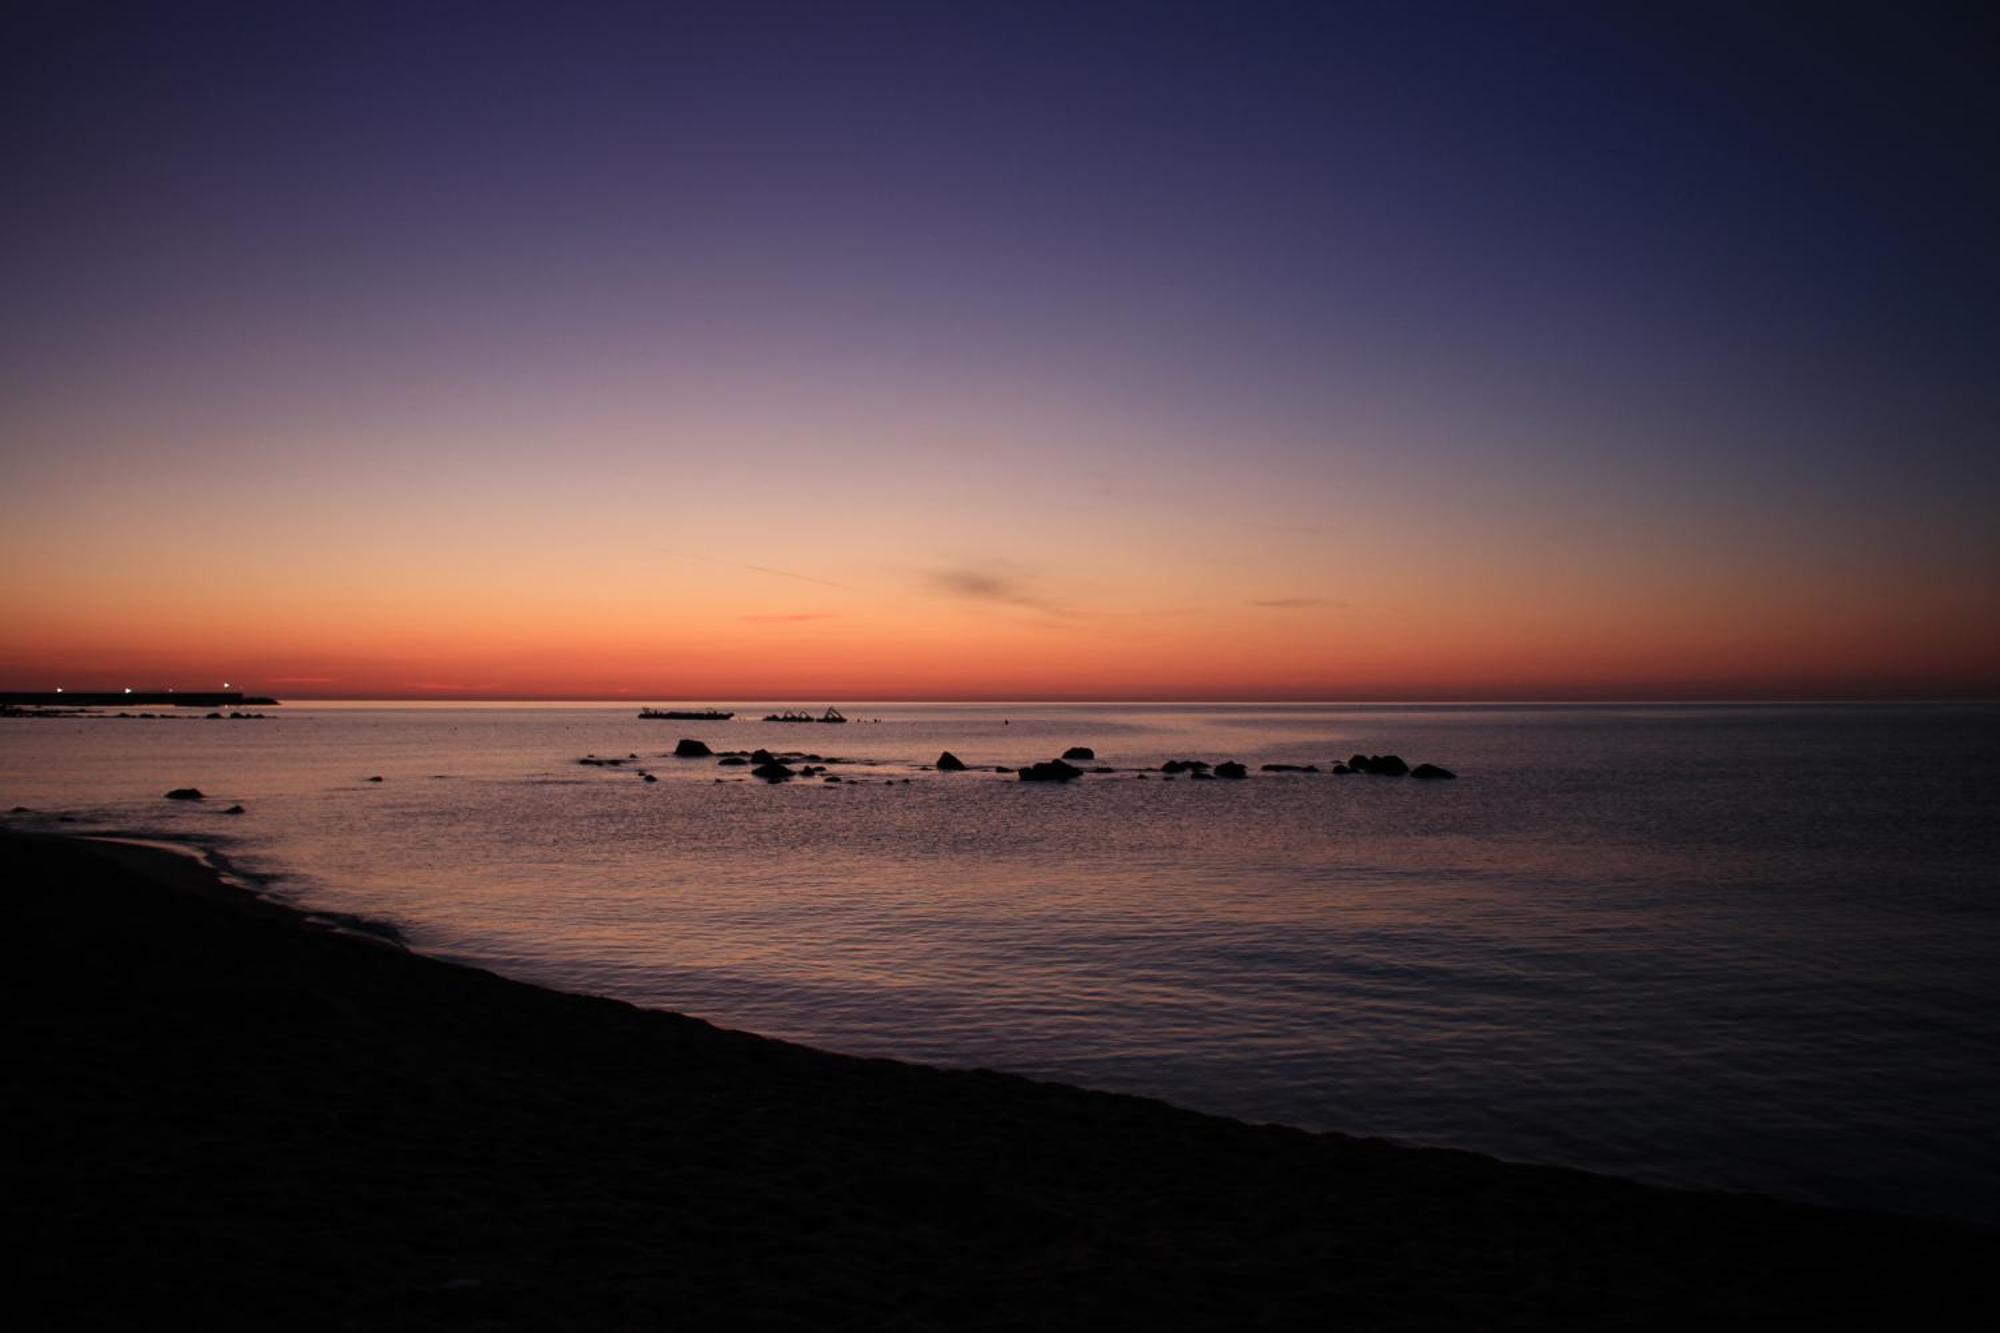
{"type": "Point", "coordinates": [232, 1106]}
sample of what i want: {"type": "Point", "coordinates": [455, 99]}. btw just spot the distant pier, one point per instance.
{"type": "Point", "coordinates": [130, 699]}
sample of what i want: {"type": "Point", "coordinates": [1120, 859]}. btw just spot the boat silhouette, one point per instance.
{"type": "Point", "coordinates": [685, 714]}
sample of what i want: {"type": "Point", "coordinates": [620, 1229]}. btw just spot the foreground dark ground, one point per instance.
{"type": "Point", "coordinates": [222, 1113]}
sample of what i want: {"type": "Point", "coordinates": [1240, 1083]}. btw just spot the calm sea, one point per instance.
{"type": "Point", "coordinates": [1746, 946]}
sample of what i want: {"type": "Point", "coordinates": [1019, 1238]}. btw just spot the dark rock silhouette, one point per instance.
{"type": "Point", "coordinates": [1079, 752]}
{"type": "Point", "coordinates": [1053, 770]}
{"type": "Point", "coordinates": [233, 810]}
{"type": "Point", "coordinates": [186, 794]}
{"type": "Point", "coordinates": [771, 771]}
{"type": "Point", "coordinates": [376, 778]}
{"type": "Point", "coordinates": [733, 761]}
{"type": "Point", "coordinates": [1201, 775]}
{"type": "Point", "coordinates": [950, 763]}
{"type": "Point", "coordinates": [1290, 768]}
{"type": "Point", "coordinates": [648, 777]}
{"type": "Point", "coordinates": [1184, 766]}
{"type": "Point", "coordinates": [1357, 763]}
{"type": "Point", "coordinates": [1431, 771]}
{"type": "Point", "coordinates": [762, 757]}
{"type": "Point", "coordinates": [831, 777]}
{"type": "Point", "coordinates": [1003, 770]}
{"type": "Point", "coordinates": [691, 749]}
{"type": "Point", "coordinates": [1232, 769]}
{"type": "Point", "coordinates": [1387, 765]}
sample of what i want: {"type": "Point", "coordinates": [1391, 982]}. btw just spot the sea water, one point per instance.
{"type": "Point", "coordinates": [1748, 946]}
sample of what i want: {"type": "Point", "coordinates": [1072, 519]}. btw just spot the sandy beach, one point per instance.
{"type": "Point", "coordinates": [225, 1112]}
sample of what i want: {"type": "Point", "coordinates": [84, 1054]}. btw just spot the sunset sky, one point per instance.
{"type": "Point", "coordinates": [751, 352]}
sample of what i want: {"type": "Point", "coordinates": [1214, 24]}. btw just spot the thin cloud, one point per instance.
{"type": "Point", "coordinates": [761, 569]}
{"type": "Point", "coordinates": [996, 585]}
{"type": "Point", "coordinates": [789, 617]}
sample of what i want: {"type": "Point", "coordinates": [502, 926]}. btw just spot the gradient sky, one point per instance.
{"type": "Point", "coordinates": [821, 352]}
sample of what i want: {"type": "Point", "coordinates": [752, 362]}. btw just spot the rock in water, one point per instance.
{"type": "Point", "coordinates": [950, 763]}
{"type": "Point", "coordinates": [1079, 752]}
{"type": "Point", "coordinates": [1431, 771]}
{"type": "Point", "coordinates": [1055, 770]}
{"type": "Point", "coordinates": [687, 749]}
{"type": "Point", "coordinates": [1387, 765]}
{"type": "Point", "coordinates": [186, 794]}
{"type": "Point", "coordinates": [1231, 769]}
{"type": "Point", "coordinates": [771, 772]}
{"type": "Point", "coordinates": [233, 810]}
{"type": "Point", "coordinates": [733, 761]}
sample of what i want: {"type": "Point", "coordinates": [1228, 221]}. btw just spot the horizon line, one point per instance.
{"type": "Point", "coordinates": [1287, 700]}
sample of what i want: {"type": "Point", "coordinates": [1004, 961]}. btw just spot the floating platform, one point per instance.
{"type": "Point", "coordinates": [831, 715]}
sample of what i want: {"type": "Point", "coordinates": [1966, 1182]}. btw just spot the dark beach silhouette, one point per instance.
{"type": "Point", "coordinates": [223, 1113]}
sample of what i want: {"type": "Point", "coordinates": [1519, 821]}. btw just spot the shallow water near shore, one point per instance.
{"type": "Point", "coordinates": [1755, 946]}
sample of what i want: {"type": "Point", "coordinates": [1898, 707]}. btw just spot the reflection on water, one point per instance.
{"type": "Point", "coordinates": [1747, 946]}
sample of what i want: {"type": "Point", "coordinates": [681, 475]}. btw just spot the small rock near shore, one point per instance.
{"type": "Point", "coordinates": [773, 771]}
{"type": "Point", "coordinates": [186, 794]}
{"type": "Point", "coordinates": [1231, 769]}
{"type": "Point", "coordinates": [1079, 752]}
{"type": "Point", "coordinates": [691, 749]}
{"type": "Point", "coordinates": [1431, 771]}
{"type": "Point", "coordinates": [950, 763]}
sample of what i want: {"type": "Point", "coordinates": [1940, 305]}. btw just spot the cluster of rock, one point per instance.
{"type": "Point", "coordinates": [773, 769]}
{"type": "Point", "coordinates": [1390, 766]}
{"type": "Point", "coordinates": [1202, 770]}
{"type": "Point", "coordinates": [1052, 770]}
{"type": "Point", "coordinates": [780, 767]}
